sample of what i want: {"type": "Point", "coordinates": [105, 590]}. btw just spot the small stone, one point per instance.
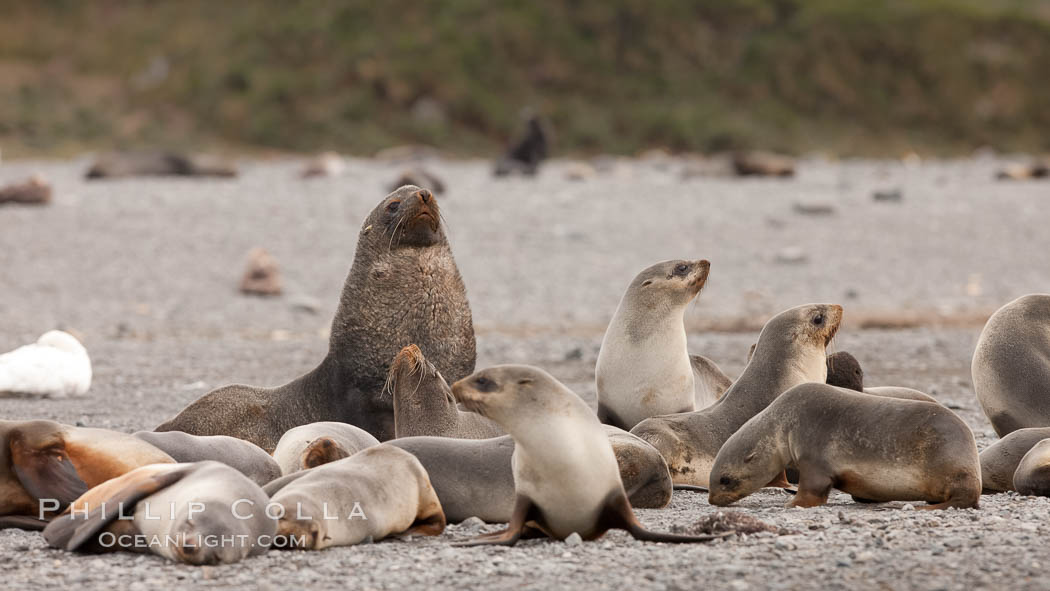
{"type": "Point", "coordinates": [908, 507]}
{"type": "Point", "coordinates": [791, 255]}
{"type": "Point", "coordinates": [844, 563]}
{"type": "Point", "coordinates": [574, 539]}
{"type": "Point", "coordinates": [739, 585]}
{"type": "Point", "coordinates": [580, 171]}
{"type": "Point", "coordinates": [814, 208]}
{"type": "Point", "coordinates": [888, 196]}
{"type": "Point", "coordinates": [574, 355]}
{"type": "Point", "coordinates": [472, 523]}
{"type": "Point", "coordinates": [865, 556]}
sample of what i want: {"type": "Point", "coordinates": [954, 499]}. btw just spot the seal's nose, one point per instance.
{"type": "Point", "coordinates": [424, 196]}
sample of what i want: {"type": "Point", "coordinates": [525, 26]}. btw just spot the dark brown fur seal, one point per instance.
{"type": "Point", "coordinates": [403, 288]}
{"type": "Point", "coordinates": [790, 351]}
{"type": "Point", "coordinates": [424, 405]}
{"type": "Point", "coordinates": [875, 448]}
{"type": "Point", "coordinates": [527, 153]}
{"type": "Point", "coordinates": [844, 371]}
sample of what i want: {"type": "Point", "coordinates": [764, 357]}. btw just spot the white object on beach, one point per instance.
{"type": "Point", "coordinates": [55, 366]}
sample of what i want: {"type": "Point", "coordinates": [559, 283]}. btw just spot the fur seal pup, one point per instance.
{"type": "Point", "coordinates": [1032, 476]}
{"type": "Point", "coordinates": [644, 368]}
{"type": "Point", "coordinates": [55, 366]}
{"type": "Point", "coordinates": [566, 477]}
{"type": "Point", "coordinates": [999, 461]}
{"type": "Point", "coordinates": [844, 371]}
{"type": "Point", "coordinates": [424, 405]}
{"type": "Point", "coordinates": [44, 465]}
{"type": "Point", "coordinates": [525, 156]}
{"type": "Point", "coordinates": [404, 287]}
{"type": "Point", "coordinates": [309, 446]}
{"type": "Point", "coordinates": [379, 492]}
{"type": "Point", "coordinates": [245, 457]}
{"type": "Point", "coordinates": [473, 478]}
{"type": "Point", "coordinates": [875, 448]}
{"type": "Point", "coordinates": [199, 513]}
{"type": "Point", "coordinates": [790, 351]}
{"type": "Point", "coordinates": [35, 191]}
{"type": "Point", "coordinates": [1011, 366]}
{"type": "Point", "coordinates": [129, 164]}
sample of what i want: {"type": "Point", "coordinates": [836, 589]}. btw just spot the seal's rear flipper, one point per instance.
{"type": "Point", "coordinates": [22, 522]}
{"type": "Point", "coordinates": [617, 514]}
{"type": "Point", "coordinates": [70, 532]}
{"type": "Point", "coordinates": [46, 473]}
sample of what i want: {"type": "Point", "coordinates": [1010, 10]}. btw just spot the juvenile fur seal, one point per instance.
{"type": "Point", "coordinates": [403, 288]}
{"type": "Point", "coordinates": [474, 477]}
{"type": "Point", "coordinates": [565, 473]}
{"type": "Point", "coordinates": [790, 351]}
{"type": "Point", "coordinates": [999, 461]}
{"type": "Point", "coordinates": [35, 191]}
{"type": "Point", "coordinates": [1032, 476]}
{"type": "Point", "coordinates": [424, 405]}
{"type": "Point", "coordinates": [47, 461]}
{"type": "Point", "coordinates": [245, 457]}
{"type": "Point", "coordinates": [309, 446]}
{"type": "Point", "coordinates": [844, 371]}
{"type": "Point", "coordinates": [199, 513]}
{"type": "Point", "coordinates": [379, 492]}
{"type": "Point", "coordinates": [644, 368]}
{"type": "Point", "coordinates": [527, 153]}
{"type": "Point", "coordinates": [129, 164]}
{"type": "Point", "coordinates": [1011, 366]}
{"type": "Point", "coordinates": [875, 448]}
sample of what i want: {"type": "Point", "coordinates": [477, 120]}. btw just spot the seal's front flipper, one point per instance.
{"type": "Point", "coordinates": [46, 473]}
{"type": "Point", "coordinates": [22, 522]}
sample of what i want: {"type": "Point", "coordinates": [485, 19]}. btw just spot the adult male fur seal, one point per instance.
{"type": "Point", "coordinates": [790, 351]}
{"type": "Point", "coordinates": [44, 466]}
{"type": "Point", "coordinates": [1011, 366]}
{"type": "Point", "coordinates": [199, 513]}
{"type": "Point", "coordinates": [378, 492]}
{"type": "Point", "coordinates": [309, 446]}
{"type": "Point", "coordinates": [874, 448]}
{"type": "Point", "coordinates": [247, 458]}
{"type": "Point", "coordinates": [404, 287]}
{"type": "Point", "coordinates": [1032, 476]}
{"type": "Point", "coordinates": [565, 473]}
{"type": "Point", "coordinates": [424, 405]}
{"type": "Point", "coordinates": [644, 368]}
{"type": "Point", "coordinates": [999, 461]}
{"type": "Point", "coordinates": [473, 478]}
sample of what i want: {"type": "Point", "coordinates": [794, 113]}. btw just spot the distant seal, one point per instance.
{"type": "Point", "coordinates": [1011, 366]}
{"type": "Point", "coordinates": [158, 163]}
{"type": "Point", "coordinates": [424, 405]}
{"type": "Point", "coordinates": [999, 461]}
{"type": "Point", "coordinates": [245, 457]}
{"type": "Point", "coordinates": [189, 513]}
{"type": "Point", "coordinates": [309, 446]}
{"type": "Point", "coordinates": [566, 477]}
{"type": "Point", "coordinates": [473, 478]}
{"type": "Point", "coordinates": [644, 368]}
{"type": "Point", "coordinates": [844, 371]}
{"type": "Point", "coordinates": [875, 448]}
{"type": "Point", "coordinates": [1032, 476]}
{"type": "Point", "coordinates": [379, 492]}
{"type": "Point", "coordinates": [790, 351]}
{"type": "Point", "coordinates": [403, 288]}
{"type": "Point", "coordinates": [525, 155]}
{"type": "Point", "coordinates": [44, 466]}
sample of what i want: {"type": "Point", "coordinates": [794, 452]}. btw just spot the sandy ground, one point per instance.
{"type": "Point", "coordinates": [146, 272]}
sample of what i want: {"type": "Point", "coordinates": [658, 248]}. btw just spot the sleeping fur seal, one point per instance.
{"type": "Point", "coordinates": [309, 446]}
{"type": "Point", "coordinates": [424, 405]}
{"type": "Point", "coordinates": [644, 368]}
{"type": "Point", "coordinates": [1011, 366]}
{"type": "Point", "coordinates": [199, 513]}
{"type": "Point", "coordinates": [875, 448]}
{"type": "Point", "coordinates": [379, 492]}
{"type": "Point", "coordinates": [1032, 476]}
{"type": "Point", "coordinates": [999, 461]}
{"type": "Point", "coordinates": [790, 351]}
{"type": "Point", "coordinates": [473, 478]}
{"type": "Point", "coordinates": [247, 458]}
{"type": "Point", "coordinates": [403, 288]}
{"type": "Point", "coordinates": [565, 473]}
{"type": "Point", "coordinates": [44, 466]}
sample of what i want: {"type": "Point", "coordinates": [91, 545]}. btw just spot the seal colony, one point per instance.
{"type": "Point", "coordinates": [403, 288]}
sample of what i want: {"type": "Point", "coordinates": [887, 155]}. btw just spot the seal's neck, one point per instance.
{"type": "Point", "coordinates": [766, 377]}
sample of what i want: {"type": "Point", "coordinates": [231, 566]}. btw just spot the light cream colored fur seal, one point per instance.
{"type": "Point", "coordinates": [999, 461]}
{"type": "Point", "coordinates": [246, 457]}
{"type": "Point", "coordinates": [473, 478]}
{"type": "Point", "coordinates": [424, 404]}
{"type": "Point", "coordinates": [566, 478]}
{"type": "Point", "coordinates": [200, 513]}
{"type": "Point", "coordinates": [644, 368]}
{"type": "Point", "coordinates": [872, 447]}
{"type": "Point", "coordinates": [1032, 476]}
{"type": "Point", "coordinates": [309, 446]}
{"type": "Point", "coordinates": [378, 492]}
{"type": "Point", "coordinates": [1011, 366]}
{"type": "Point", "coordinates": [790, 351]}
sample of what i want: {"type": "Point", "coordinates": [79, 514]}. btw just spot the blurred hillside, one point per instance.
{"type": "Point", "coordinates": [852, 77]}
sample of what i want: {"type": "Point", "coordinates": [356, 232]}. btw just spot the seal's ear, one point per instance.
{"type": "Point", "coordinates": [750, 456]}
{"type": "Point", "coordinates": [647, 282]}
{"type": "Point", "coordinates": [524, 381]}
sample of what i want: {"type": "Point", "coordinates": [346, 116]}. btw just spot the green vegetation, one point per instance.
{"type": "Point", "coordinates": [846, 76]}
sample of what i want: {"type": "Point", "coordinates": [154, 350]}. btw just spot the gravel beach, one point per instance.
{"type": "Point", "coordinates": [145, 271]}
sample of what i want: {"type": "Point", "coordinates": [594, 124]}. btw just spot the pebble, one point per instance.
{"type": "Point", "coordinates": [574, 539]}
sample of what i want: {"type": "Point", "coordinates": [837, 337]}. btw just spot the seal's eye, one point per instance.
{"type": "Point", "coordinates": [392, 206]}
{"type": "Point", "coordinates": [818, 319]}
{"type": "Point", "coordinates": [726, 481]}
{"type": "Point", "coordinates": [681, 269]}
{"type": "Point", "coordinates": [484, 384]}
